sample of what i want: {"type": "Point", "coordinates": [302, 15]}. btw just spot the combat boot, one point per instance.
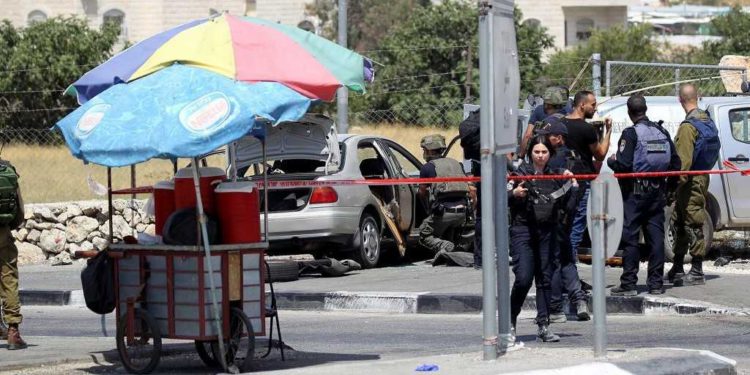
{"type": "Point", "coordinates": [15, 342]}
{"type": "Point", "coordinates": [675, 277]}
{"type": "Point", "coordinates": [558, 317]}
{"type": "Point", "coordinates": [3, 331]}
{"type": "Point", "coordinates": [545, 335]}
{"type": "Point", "coordinates": [695, 276]}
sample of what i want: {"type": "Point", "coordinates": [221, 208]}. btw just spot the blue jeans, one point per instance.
{"type": "Point", "coordinates": [579, 222]}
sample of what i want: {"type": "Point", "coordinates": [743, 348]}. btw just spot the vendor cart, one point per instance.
{"type": "Point", "coordinates": [164, 292]}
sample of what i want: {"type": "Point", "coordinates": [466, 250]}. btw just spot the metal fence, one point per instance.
{"type": "Point", "coordinates": [50, 173]}
{"type": "Point", "coordinates": [664, 79]}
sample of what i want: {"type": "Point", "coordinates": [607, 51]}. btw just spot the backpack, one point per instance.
{"type": "Point", "coordinates": [707, 145]}
{"type": "Point", "coordinates": [8, 193]}
{"type": "Point", "coordinates": [468, 131]}
{"type": "Point", "coordinates": [98, 283]}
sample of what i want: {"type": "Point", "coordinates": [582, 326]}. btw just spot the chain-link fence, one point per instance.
{"type": "Point", "coordinates": [444, 115]}
{"type": "Point", "coordinates": [49, 173]}
{"type": "Point", "coordinates": [664, 79]}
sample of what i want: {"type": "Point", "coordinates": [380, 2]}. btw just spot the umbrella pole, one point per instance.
{"type": "Point", "coordinates": [207, 248]}
{"type": "Point", "coordinates": [265, 192]}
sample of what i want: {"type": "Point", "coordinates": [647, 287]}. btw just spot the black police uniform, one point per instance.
{"type": "Point", "coordinates": [644, 201]}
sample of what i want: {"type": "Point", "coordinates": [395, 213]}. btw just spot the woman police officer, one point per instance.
{"type": "Point", "coordinates": [533, 217]}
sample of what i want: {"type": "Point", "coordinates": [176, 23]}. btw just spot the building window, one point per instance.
{"type": "Point", "coordinates": [532, 23]}
{"type": "Point", "coordinates": [584, 26]}
{"type": "Point", "coordinates": [36, 16]}
{"type": "Point", "coordinates": [117, 17]}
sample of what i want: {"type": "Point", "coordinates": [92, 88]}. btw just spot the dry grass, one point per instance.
{"type": "Point", "coordinates": [52, 174]}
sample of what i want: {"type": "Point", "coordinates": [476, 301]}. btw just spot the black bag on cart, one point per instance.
{"type": "Point", "coordinates": [98, 282]}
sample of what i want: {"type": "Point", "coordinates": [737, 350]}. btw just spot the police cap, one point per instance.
{"type": "Point", "coordinates": [555, 95]}
{"type": "Point", "coordinates": [433, 142]}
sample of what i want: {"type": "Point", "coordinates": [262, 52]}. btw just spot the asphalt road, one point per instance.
{"type": "Point", "coordinates": [328, 337]}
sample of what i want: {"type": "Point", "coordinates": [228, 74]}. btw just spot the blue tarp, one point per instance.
{"type": "Point", "coordinates": [177, 112]}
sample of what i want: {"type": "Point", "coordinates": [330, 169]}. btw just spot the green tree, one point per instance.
{"type": "Point", "coordinates": [368, 21]}
{"type": "Point", "coordinates": [616, 43]}
{"type": "Point", "coordinates": [430, 63]}
{"type": "Point", "coordinates": [41, 61]}
{"type": "Point", "coordinates": [734, 27]}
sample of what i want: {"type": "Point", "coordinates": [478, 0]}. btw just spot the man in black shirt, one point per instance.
{"type": "Point", "coordinates": [582, 139]}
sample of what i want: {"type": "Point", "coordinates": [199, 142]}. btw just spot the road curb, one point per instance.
{"type": "Point", "coordinates": [421, 303]}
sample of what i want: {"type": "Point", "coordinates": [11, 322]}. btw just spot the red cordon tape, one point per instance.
{"type": "Point", "coordinates": [411, 181]}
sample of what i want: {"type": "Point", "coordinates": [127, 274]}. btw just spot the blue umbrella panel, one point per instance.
{"type": "Point", "coordinates": [177, 112]}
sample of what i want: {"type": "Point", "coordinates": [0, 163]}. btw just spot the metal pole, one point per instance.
{"type": "Point", "coordinates": [111, 206]}
{"type": "Point", "coordinates": [489, 276]}
{"type": "Point", "coordinates": [207, 249]}
{"type": "Point", "coordinates": [342, 95]}
{"type": "Point", "coordinates": [598, 192]}
{"type": "Point", "coordinates": [677, 79]}
{"type": "Point", "coordinates": [503, 262]}
{"type": "Point", "coordinates": [597, 73]}
{"type": "Point", "coordinates": [608, 75]}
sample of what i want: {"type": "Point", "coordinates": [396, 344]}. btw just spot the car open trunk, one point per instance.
{"type": "Point", "coordinates": [299, 150]}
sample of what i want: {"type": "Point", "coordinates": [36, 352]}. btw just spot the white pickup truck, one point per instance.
{"type": "Point", "coordinates": [729, 194]}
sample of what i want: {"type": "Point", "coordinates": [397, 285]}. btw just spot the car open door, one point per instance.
{"type": "Point", "coordinates": [405, 166]}
{"type": "Point", "coordinates": [733, 122]}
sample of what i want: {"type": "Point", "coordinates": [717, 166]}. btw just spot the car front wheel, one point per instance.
{"type": "Point", "coordinates": [367, 253]}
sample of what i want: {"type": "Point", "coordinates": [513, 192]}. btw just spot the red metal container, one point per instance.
{"type": "Point", "coordinates": [184, 188]}
{"type": "Point", "coordinates": [163, 203]}
{"type": "Point", "coordinates": [239, 214]}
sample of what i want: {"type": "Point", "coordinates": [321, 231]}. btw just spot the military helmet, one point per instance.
{"type": "Point", "coordinates": [555, 95]}
{"type": "Point", "coordinates": [433, 142]}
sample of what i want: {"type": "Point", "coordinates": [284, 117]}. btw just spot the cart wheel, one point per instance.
{"type": "Point", "coordinates": [240, 345]}
{"type": "Point", "coordinates": [205, 351]}
{"type": "Point", "coordinates": [142, 355]}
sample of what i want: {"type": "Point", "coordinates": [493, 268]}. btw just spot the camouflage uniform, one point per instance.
{"type": "Point", "coordinates": [690, 198]}
{"type": "Point", "coordinates": [448, 206]}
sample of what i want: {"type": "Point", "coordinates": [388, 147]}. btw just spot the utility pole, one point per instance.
{"type": "Point", "coordinates": [342, 97]}
{"type": "Point", "coordinates": [469, 66]}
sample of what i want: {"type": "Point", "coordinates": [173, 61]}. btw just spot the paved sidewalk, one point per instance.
{"type": "Point", "coordinates": [421, 288]}
{"type": "Point", "coordinates": [64, 354]}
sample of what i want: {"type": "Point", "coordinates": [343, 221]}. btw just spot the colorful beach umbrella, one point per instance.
{"type": "Point", "coordinates": [242, 48]}
{"type": "Point", "coordinates": [177, 112]}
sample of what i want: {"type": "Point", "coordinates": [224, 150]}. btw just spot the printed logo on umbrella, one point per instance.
{"type": "Point", "coordinates": [90, 120]}
{"type": "Point", "coordinates": [207, 113]}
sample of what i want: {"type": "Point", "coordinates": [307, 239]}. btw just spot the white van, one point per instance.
{"type": "Point", "coordinates": [729, 194]}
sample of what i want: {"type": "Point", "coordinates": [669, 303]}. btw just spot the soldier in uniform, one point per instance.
{"type": "Point", "coordinates": [11, 217]}
{"type": "Point", "coordinates": [555, 104]}
{"type": "Point", "coordinates": [698, 145]}
{"type": "Point", "coordinates": [447, 202]}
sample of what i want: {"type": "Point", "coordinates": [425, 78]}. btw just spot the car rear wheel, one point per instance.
{"type": "Point", "coordinates": [367, 253]}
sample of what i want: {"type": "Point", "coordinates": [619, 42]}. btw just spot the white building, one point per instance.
{"type": "Point", "coordinates": [570, 22]}
{"type": "Point", "coordinates": [143, 18]}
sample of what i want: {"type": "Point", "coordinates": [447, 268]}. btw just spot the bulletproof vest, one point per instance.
{"type": "Point", "coordinates": [447, 167]}
{"type": "Point", "coordinates": [543, 195]}
{"type": "Point", "coordinates": [8, 193]}
{"type": "Point", "coordinates": [707, 145]}
{"type": "Point", "coordinates": [653, 151]}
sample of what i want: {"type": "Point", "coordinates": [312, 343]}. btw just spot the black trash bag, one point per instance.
{"type": "Point", "coordinates": [181, 228]}
{"type": "Point", "coordinates": [98, 283]}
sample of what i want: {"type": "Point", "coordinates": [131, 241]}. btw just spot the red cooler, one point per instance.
{"type": "Point", "coordinates": [163, 203]}
{"type": "Point", "coordinates": [184, 188]}
{"type": "Point", "coordinates": [239, 216]}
